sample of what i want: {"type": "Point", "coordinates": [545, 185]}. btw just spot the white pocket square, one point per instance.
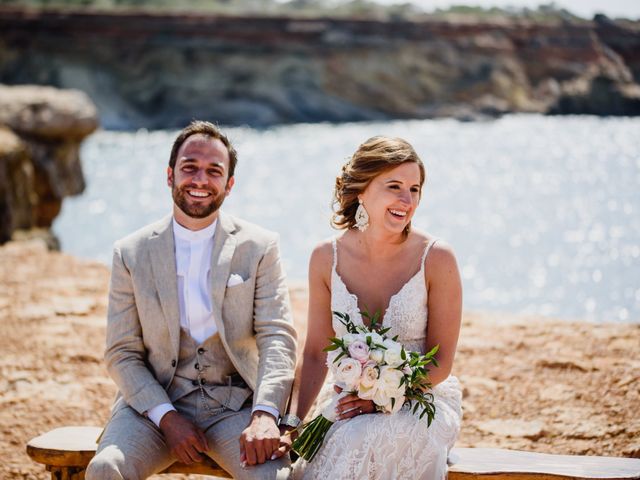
{"type": "Point", "coordinates": [234, 279]}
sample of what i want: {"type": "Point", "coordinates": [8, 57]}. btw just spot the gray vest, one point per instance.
{"type": "Point", "coordinates": [206, 367]}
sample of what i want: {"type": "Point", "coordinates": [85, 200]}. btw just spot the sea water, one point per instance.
{"type": "Point", "coordinates": [543, 212]}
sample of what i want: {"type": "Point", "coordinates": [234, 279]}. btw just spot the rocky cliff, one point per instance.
{"type": "Point", "coordinates": [41, 129]}
{"type": "Point", "coordinates": [155, 71]}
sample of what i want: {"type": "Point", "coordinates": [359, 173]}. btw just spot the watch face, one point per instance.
{"type": "Point", "coordinates": [290, 421]}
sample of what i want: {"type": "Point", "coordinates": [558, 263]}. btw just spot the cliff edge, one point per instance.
{"type": "Point", "coordinates": [162, 70]}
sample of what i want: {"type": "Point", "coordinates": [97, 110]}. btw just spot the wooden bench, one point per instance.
{"type": "Point", "coordinates": [66, 452]}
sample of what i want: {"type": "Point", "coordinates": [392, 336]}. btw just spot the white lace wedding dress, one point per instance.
{"type": "Point", "coordinates": [380, 446]}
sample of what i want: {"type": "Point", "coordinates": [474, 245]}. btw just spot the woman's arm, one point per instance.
{"type": "Point", "coordinates": [311, 369]}
{"type": "Point", "coordinates": [445, 308]}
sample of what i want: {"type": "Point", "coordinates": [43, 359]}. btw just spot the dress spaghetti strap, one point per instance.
{"type": "Point", "coordinates": [335, 253]}
{"type": "Point", "coordinates": [426, 252]}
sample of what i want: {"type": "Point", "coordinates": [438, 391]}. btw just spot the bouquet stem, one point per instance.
{"type": "Point", "coordinates": [311, 438]}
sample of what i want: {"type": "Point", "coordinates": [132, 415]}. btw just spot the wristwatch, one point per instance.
{"type": "Point", "coordinates": [290, 420]}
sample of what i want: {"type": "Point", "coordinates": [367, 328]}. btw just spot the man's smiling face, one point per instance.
{"type": "Point", "coordinates": [200, 180]}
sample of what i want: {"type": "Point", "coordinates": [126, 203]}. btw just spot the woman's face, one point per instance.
{"type": "Point", "coordinates": [392, 197]}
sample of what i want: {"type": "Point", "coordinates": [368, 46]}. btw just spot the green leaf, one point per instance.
{"type": "Point", "coordinates": [342, 354]}
{"type": "Point", "coordinates": [433, 351]}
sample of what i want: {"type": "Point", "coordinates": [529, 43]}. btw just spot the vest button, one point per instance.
{"type": "Point", "coordinates": [201, 351]}
{"type": "Point", "coordinates": [202, 381]}
{"type": "Point", "coordinates": [194, 383]}
{"type": "Point", "coordinates": [197, 366]}
{"type": "Point", "coordinates": [173, 363]}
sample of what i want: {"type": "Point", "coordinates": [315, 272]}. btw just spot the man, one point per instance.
{"type": "Point", "coordinates": [200, 340]}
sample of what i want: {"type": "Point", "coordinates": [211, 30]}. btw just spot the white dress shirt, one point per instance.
{"type": "Point", "coordinates": [193, 265]}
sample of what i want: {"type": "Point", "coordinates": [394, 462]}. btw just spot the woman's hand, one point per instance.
{"type": "Point", "coordinates": [350, 406]}
{"type": "Point", "coordinates": [287, 436]}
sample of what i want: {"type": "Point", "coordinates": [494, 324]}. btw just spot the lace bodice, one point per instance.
{"type": "Point", "coordinates": [406, 314]}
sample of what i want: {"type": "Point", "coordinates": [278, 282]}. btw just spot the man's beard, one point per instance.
{"type": "Point", "coordinates": [203, 210]}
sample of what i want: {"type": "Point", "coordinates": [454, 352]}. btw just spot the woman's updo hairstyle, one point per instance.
{"type": "Point", "coordinates": [373, 157]}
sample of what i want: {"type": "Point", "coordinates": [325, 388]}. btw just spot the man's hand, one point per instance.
{"type": "Point", "coordinates": [184, 439]}
{"type": "Point", "coordinates": [260, 439]}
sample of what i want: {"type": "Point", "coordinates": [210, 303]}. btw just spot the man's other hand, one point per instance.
{"type": "Point", "coordinates": [260, 439]}
{"type": "Point", "coordinates": [184, 439]}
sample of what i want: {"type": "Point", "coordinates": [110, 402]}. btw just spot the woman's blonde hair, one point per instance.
{"type": "Point", "coordinates": [375, 156]}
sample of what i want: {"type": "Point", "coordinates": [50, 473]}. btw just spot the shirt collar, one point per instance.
{"type": "Point", "coordinates": [194, 236]}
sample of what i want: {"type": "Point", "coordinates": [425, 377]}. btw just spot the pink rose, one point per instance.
{"type": "Point", "coordinates": [348, 373]}
{"type": "Point", "coordinates": [359, 351]}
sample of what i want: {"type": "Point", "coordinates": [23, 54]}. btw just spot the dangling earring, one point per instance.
{"type": "Point", "coordinates": [362, 217]}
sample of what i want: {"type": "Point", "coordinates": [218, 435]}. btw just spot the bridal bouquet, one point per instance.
{"type": "Point", "coordinates": [367, 363]}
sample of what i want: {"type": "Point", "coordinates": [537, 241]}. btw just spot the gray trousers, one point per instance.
{"type": "Point", "coordinates": [133, 448]}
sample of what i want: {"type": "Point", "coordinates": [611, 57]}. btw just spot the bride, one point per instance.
{"type": "Point", "coordinates": [382, 264]}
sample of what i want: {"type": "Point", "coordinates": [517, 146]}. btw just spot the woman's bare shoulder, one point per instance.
{"type": "Point", "coordinates": [322, 256]}
{"type": "Point", "coordinates": [441, 258]}
{"type": "Point", "coordinates": [441, 252]}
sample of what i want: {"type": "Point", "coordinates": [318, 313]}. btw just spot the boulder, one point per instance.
{"type": "Point", "coordinates": [598, 96]}
{"type": "Point", "coordinates": [47, 113]}
{"type": "Point", "coordinates": [41, 129]}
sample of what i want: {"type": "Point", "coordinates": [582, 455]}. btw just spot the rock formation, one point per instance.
{"type": "Point", "coordinates": [160, 71]}
{"type": "Point", "coordinates": [41, 129]}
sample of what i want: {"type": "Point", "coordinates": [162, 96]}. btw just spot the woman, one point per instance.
{"type": "Point", "coordinates": [381, 264]}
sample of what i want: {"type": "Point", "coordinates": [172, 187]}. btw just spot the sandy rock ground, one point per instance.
{"type": "Point", "coordinates": [529, 383]}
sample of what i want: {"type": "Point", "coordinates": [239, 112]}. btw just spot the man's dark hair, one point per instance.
{"type": "Point", "coordinates": [199, 127]}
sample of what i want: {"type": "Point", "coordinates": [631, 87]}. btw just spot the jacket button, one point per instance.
{"type": "Point", "coordinates": [201, 351]}
{"type": "Point", "coordinates": [173, 363]}
{"type": "Point", "coordinates": [202, 381]}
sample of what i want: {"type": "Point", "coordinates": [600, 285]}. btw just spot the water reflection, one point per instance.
{"type": "Point", "coordinates": [542, 211]}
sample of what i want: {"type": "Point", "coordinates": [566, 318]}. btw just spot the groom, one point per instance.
{"type": "Point", "coordinates": [200, 340]}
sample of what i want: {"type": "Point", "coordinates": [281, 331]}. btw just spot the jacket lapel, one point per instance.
{"type": "Point", "coordinates": [163, 266]}
{"type": "Point", "coordinates": [224, 245]}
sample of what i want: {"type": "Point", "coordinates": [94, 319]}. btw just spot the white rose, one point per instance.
{"type": "Point", "coordinates": [367, 393]}
{"type": "Point", "coordinates": [388, 388]}
{"type": "Point", "coordinates": [348, 372]}
{"type": "Point", "coordinates": [375, 338]}
{"type": "Point", "coordinates": [389, 380]}
{"type": "Point", "coordinates": [393, 353]}
{"type": "Point", "coordinates": [376, 355]}
{"type": "Point", "coordinates": [381, 398]}
{"type": "Point", "coordinates": [349, 338]}
{"type": "Point", "coordinates": [369, 376]}
{"type": "Point", "coordinates": [399, 401]}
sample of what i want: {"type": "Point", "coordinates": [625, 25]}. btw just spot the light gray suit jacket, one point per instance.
{"type": "Point", "coordinates": [253, 318]}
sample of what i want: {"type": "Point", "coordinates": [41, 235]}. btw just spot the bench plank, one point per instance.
{"type": "Point", "coordinates": [65, 446]}
{"type": "Point", "coordinates": [76, 446]}
{"type": "Point", "coordinates": [468, 463]}
{"type": "Point", "coordinates": [71, 448]}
